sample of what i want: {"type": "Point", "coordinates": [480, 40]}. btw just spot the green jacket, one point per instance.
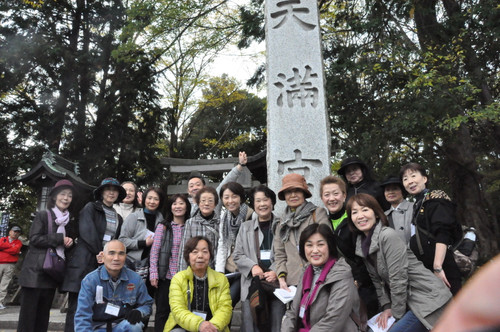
{"type": "Point", "coordinates": [219, 301]}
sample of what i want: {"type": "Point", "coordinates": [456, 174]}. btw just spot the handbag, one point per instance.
{"type": "Point", "coordinates": [53, 264]}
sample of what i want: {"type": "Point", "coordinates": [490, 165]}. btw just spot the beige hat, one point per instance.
{"type": "Point", "coordinates": [293, 181]}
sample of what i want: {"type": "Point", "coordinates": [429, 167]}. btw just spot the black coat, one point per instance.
{"type": "Point", "coordinates": [92, 227]}
{"type": "Point", "coordinates": [371, 188]}
{"type": "Point", "coordinates": [32, 274]}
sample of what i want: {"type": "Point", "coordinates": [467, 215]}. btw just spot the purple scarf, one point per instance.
{"type": "Point", "coordinates": [307, 300]}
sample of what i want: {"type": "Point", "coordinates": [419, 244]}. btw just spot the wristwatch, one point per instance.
{"type": "Point", "coordinates": [438, 270]}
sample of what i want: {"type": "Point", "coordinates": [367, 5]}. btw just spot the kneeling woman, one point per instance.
{"type": "Point", "coordinates": [413, 295]}
{"type": "Point", "coordinates": [199, 296]}
{"type": "Point", "coordinates": [326, 298]}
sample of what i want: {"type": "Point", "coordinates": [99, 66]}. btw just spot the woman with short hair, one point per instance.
{"type": "Point", "coordinates": [326, 298]}
{"type": "Point", "coordinates": [199, 296]}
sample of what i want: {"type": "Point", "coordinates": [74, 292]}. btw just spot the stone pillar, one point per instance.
{"type": "Point", "coordinates": [298, 138]}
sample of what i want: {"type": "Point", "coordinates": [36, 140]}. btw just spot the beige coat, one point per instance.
{"type": "Point", "coordinates": [244, 253]}
{"type": "Point", "coordinates": [332, 305]}
{"type": "Point", "coordinates": [401, 280]}
{"type": "Point", "coordinates": [286, 255]}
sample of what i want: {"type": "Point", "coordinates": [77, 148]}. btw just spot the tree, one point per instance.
{"type": "Point", "coordinates": [227, 120]}
{"type": "Point", "coordinates": [418, 81]}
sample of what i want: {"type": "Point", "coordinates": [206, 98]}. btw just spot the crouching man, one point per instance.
{"type": "Point", "coordinates": [112, 297]}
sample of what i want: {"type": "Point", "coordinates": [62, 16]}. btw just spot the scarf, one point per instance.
{"type": "Point", "coordinates": [231, 224]}
{"type": "Point", "coordinates": [293, 219]}
{"type": "Point", "coordinates": [62, 219]}
{"type": "Point", "coordinates": [307, 286]}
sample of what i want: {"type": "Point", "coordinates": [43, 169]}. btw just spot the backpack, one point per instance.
{"type": "Point", "coordinates": [465, 252]}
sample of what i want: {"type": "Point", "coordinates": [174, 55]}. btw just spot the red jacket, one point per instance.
{"type": "Point", "coordinates": [9, 251]}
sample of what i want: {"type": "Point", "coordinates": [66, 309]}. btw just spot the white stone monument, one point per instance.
{"type": "Point", "coordinates": [298, 138]}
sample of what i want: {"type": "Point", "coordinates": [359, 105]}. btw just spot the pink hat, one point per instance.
{"type": "Point", "coordinates": [60, 185]}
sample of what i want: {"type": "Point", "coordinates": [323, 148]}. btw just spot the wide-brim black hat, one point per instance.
{"type": "Point", "coordinates": [350, 161]}
{"type": "Point", "coordinates": [110, 182]}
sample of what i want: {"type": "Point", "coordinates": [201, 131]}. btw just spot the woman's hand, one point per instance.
{"type": "Point", "coordinates": [441, 275]}
{"type": "Point", "coordinates": [149, 241]}
{"type": "Point", "coordinates": [270, 276]}
{"type": "Point", "coordinates": [68, 242]}
{"type": "Point", "coordinates": [283, 284]}
{"type": "Point", "coordinates": [257, 271]}
{"type": "Point", "coordinates": [242, 160]}
{"type": "Point", "coordinates": [206, 326]}
{"type": "Point", "coordinates": [383, 317]}
{"type": "Point", "coordinates": [154, 283]}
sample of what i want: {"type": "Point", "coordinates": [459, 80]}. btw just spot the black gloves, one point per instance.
{"type": "Point", "coordinates": [134, 316]}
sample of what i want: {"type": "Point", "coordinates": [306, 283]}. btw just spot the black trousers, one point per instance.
{"type": "Point", "coordinates": [35, 309]}
{"type": "Point", "coordinates": [162, 305]}
{"type": "Point", "coordinates": [69, 325]}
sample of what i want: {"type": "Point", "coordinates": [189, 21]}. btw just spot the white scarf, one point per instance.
{"type": "Point", "coordinates": [62, 219]}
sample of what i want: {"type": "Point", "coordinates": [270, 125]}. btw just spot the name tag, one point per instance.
{"type": "Point", "coordinates": [112, 309]}
{"type": "Point", "coordinates": [302, 311]}
{"type": "Point", "coordinates": [265, 254]}
{"type": "Point", "coordinates": [107, 237]}
{"type": "Point", "coordinates": [201, 314]}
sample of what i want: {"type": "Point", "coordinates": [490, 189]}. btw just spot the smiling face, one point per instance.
{"type": "Point", "coordinates": [393, 194]}
{"type": "Point", "coordinates": [363, 217]}
{"type": "Point", "coordinates": [194, 185]}
{"type": "Point", "coordinates": [333, 197]}
{"type": "Point", "coordinates": [130, 190]}
{"type": "Point", "coordinates": [353, 174]}
{"type": "Point", "coordinates": [63, 199]}
{"type": "Point", "coordinates": [414, 182]}
{"type": "Point", "coordinates": [316, 250]}
{"type": "Point", "coordinates": [199, 258]}
{"type": "Point", "coordinates": [207, 204]}
{"type": "Point", "coordinates": [109, 195]}
{"type": "Point", "coordinates": [179, 208]}
{"type": "Point", "coordinates": [294, 198]}
{"type": "Point", "coordinates": [231, 201]}
{"type": "Point", "coordinates": [152, 201]}
{"type": "Point", "coordinates": [263, 206]}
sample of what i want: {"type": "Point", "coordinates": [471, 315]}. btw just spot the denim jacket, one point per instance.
{"type": "Point", "coordinates": [130, 293]}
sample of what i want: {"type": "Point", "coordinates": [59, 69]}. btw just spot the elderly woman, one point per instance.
{"type": "Point", "coordinates": [52, 228]}
{"type": "Point", "coordinates": [205, 222]}
{"type": "Point", "coordinates": [326, 298]}
{"type": "Point", "coordinates": [98, 224]}
{"type": "Point", "coordinates": [406, 289]}
{"type": "Point", "coordinates": [436, 226]}
{"type": "Point", "coordinates": [199, 296]}
{"type": "Point", "coordinates": [298, 214]}
{"type": "Point", "coordinates": [130, 203]}
{"type": "Point", "coordinates": [252, 255]}
{"type": "Point", "coordinates": [165, 254]}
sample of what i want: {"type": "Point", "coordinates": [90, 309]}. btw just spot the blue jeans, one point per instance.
{"type": "Point", "coordinates": [125, 326]}
{"type": "Point", "coordinates": [408, 323]}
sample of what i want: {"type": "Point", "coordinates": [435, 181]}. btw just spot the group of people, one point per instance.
{"type": "Point", "coordinates": [366, 251]}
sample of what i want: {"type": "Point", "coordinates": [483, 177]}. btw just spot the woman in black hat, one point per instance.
{"type": "Point", "coordinates": [400, 213]}
{"type": "Point", "coordinates": [38, 288]}
{"type": "Point", "coordinates": [99, 223]}
{"type": "Point", "coordinates": [360, 180]}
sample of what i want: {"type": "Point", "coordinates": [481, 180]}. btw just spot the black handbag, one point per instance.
{"type": "Point", "coordinates": [53, 264]}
